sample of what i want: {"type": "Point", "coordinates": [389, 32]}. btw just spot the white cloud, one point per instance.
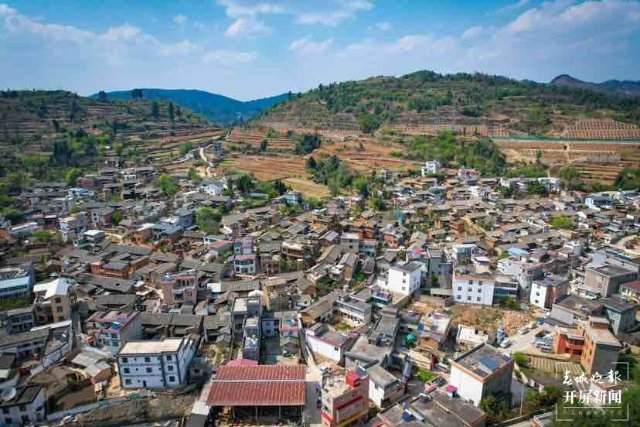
{"type": "Point", "coordinates": [347, 9]}
{"type": "Point", "coordinates": [306, 46]}
{"type": "Point", "coordinates": [383, 26]}
{"type": "Point", "coordinates": [247, 26]}
{"type": "Point", "coordinates": [180, 20]}
{"type": "Point", "coordinates": [592, 38]}
{"type": "Point", "coordinates": [182, 48]}
{"type": "Point", "coordinates": [229, 57]}
{"type": "Point", "coordinates": [515, 6]}
{"type": "Point", "coordinates": [117, 46]}
{"type": "Point", "coordinates": [245, 15]}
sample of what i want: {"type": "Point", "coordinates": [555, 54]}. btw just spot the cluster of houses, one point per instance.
{"type": "Point", "coordinates": [134, 295]}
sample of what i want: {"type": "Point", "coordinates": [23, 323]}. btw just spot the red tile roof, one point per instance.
{"type": "Point", "coordinates": [261, 385]}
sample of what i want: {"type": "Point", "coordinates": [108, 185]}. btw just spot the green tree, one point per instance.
{"type": "Point", "coordinates": [193, 175]}
{"type": "Point", "coordinates": [368, 123]}
{"type": "Point", "coordinates": [244, 184]}
{"type": "Point", "coordinates": [116, 217]}
{"type": "Point", "coordinates": [72, 175]}
{"type": "Point", "coordinates": [208, 219]}
{"type": "Point", "coordinates": [102, 96]}
{"type": "Point", "coordinates": [42, 236]}
{"type": "Point", "coordinates": [362, 186]}
{"type": "Point", "coordinates": [561, 222]}
{"type": "Point", "coordinates": [136, 94]}
{"type": "Point", "coordinates": [495, 408]}
{"type": "Point", "coordinates": [170, 111]}
{"type": "Point", "coordinates": [571, 177]}
{"type": "Point", "coordinates": [264, 144]}
{"type": "Point", "coordinates": [168, 185]}
{"type": "Point", "coordinates": [311, 163]}
{"type": "Point", "coordinates": [155, 110]}
{"type": "Point", "coordinates": [185, 147]}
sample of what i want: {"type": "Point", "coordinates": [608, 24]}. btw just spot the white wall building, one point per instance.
{"type": "Point", "coordinates": [481, 372]}
{"type": "Point", "coordinates": [473, 288]}
{"type": "Point", "coordinates": [430, 168]}
{"type": "Point", "coordinates": [156, 364]}
{"type": "Point", "coordinates": [404, 278]}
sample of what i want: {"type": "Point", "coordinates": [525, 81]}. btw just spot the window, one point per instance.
{"type": "Point", "coordinates": [5, 410]}
{"type": "Point", "coordinates": [170, 367]}
{"type": "Point", "coordinates": [479, 290]}
{"type": "Point", "coordinates": [149, 370]}
{"type": "Point", "coordinates": [127, 381]}
{"type": "Point", "coordinates": [172, 378]}
{"type": "Point", "coordinates": [480, 282]}
{"type": "Point", "coordinates": [478, 299]}
{"type": "Point", "coordinates": [169, 357]}
{"type": "Point", "coordinates": [125, 370]}
{"type": "Point", "coordinates": [147, 359]}
{"type": "Point", "coordinates": [468, 298]}
{"type": "Point", "coordinates": [8, 420]}
{"type": "Point", "coordinates": [125, 360]}
{"type": "Point", "coordinates": [459, 297]}
{"type": "Point", "coordinates": [471, 282]}
{"type": "Point", "coordinates": [459, 288]}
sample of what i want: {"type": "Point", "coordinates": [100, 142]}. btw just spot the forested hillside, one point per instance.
{"type": "Point", "coordinates": [466, 103]}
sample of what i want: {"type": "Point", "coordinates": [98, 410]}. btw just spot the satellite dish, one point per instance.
{"type": "Point", "coordinates": [8, 394]}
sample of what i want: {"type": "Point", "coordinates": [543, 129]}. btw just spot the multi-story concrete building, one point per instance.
{"type": "Point", "coordinates": [73, 226]}
{"type": "Point", "coordinates": [25, 407]}
{"type": "Point", "coordinates": [156, 364]}
{"type": "Point", "coordinates": [52, 301]}
{"type": "Point", "coordinates": [180, 288]}
{"type": "Point", "coordinates": [572, 309]}
{"type": "Point", "coordinates": [404, 278]}
{"type": "Point", "coordinates": [326, 343]}
{"type": "Point", "coordinates": [430, 168]}
{"type": "Point", "coordinates": [114, 328]}
{"type": "Point", "coordinates": [17, 320]}
{"type": "Point", "coordinates": [473, 288]}
{"type": "Point", "coordinates": [601, 347]}
{"type": "Point", "coordinates": [482, 371]}
{"type": "Point", "coordinates": [621, 314]}
{"type": "Point", "coordinates": [16, 282]}
{"type": "Point", "coordinates": [546, 292]}
{"type": "Point", "coordinates": [605, 280]}
{"type": "Point", "coordinates": [384, 387]}
{"type": "Point", "coordinates": [592, 343]}
{"type": "Point", "coordinates": [344, 399]}
{"type": "Point", "coordinates": [350, 242]}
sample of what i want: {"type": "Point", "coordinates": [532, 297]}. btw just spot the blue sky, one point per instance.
{"type": "Point", "coordinates": [249, 49]}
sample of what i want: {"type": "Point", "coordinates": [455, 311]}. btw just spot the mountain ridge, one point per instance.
{"type": "Point", "coordinates": [216, 108]}
{"type": "Point", "coordinates": [614, 86]}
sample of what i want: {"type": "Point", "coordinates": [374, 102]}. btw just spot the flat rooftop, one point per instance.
{"type": "Point", "coordinates": [168, 345]}
{"type": "Point", "coordinates": [483, 360]}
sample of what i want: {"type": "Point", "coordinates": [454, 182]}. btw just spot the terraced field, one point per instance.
{"type": "Point", "coordinates": [30, 122]}
{"type": "Point", "coordinates": [367, 155]}
{"type": "Point", "coordinates": [241, 137]}
{"type": "Point", "coordinates": [289, 169]}
{"type": "Point", "coordinates": [597, 160]}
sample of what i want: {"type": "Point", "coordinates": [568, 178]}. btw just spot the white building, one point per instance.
{"type": "Point", "coordinates": [430, 168]}
{"type": "Point", "coordinates": [473, 288]}
{"type": "Point", "coordinates": [156, 364]}
{"type": "Point", "coordinates": [481, 372]}
{"type": "Point", "coordinates": [404, 278]}
{"type": "Point", "coordinates": [327, 343]}
{"type": "Point", "coordinates": [25, 406]}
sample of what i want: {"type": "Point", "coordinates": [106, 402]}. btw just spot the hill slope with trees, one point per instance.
{"type": "Point", "coordinates": [427, 98]}
{"type": "Point", "coordinates": [216, 108]}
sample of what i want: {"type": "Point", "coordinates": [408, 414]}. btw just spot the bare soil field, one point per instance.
{"type": "Point", "coordinates": [290, 169]}
{"type": "Point", "coordinates": [364, 155]}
